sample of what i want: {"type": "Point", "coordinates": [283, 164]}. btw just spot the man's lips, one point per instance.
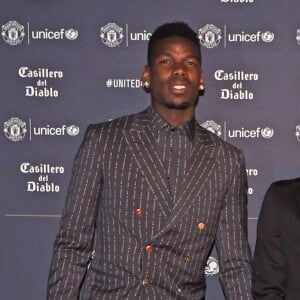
{"type": "Point", "coordinates": [178, 87]}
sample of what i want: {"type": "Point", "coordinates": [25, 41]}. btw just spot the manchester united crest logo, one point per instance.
{"type": "Point", "coordinates": [15, 129]}
{"type": "Point", "coordinates": [213, 127]}
{"type": "Point", "coordinates": [112, 35]}
{"type": "Point", "coordinates": [210, 36]}
{"type": "Point", "coordinates": [212, 266]}
{"type": "Point", "coordinates": [13, 33]}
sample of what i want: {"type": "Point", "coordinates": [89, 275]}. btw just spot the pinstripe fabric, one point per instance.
{"type": "Point", "coordinates": [118, 170]}
{"type": "Point", "coordinates": [174, 147]}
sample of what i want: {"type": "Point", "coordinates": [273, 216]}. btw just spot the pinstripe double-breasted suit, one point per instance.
{"type": "Point", "coordinates": [148, 244]}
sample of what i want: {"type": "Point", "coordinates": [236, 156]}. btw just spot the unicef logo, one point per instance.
{"type": "Point", "coordinates": [13, 33]}
{"type": "Point", "coordinates": [267, 36]}
{"type": "Point", "coordinates": [297, 133]}
{"type": "Point", "coordinates": [71, 34]}
{"type": "Point", "coordinates": [298, 37]}
{"type": "Point", "coordinates": [267, 132]}
{"type": "Point", "coordinates": [212, 266]}
{"type": "Point", "coordinates": [15, 129]}
{"type": "Point", "coordinates": [210, 36]}
{"type": "Point", "coordinates": [213, 127]}
{"type": "Point", "coordinates": [72, 130]}
{"type": "Point", "coordinates": [112, 35]}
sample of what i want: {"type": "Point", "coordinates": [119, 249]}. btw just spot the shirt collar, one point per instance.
{"type": "Point", "coordinates": [158, 124]}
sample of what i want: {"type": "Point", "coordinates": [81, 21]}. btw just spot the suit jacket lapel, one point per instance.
{"type": "Point", "coordinates": [202, 162]}
{"type": "Point", "coordinates": [140, 140]}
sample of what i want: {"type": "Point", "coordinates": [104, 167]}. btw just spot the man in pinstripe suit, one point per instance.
{"type": "Point", "coordinates": [153, 191]}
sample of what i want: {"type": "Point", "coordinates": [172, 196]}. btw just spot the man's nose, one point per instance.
{"type": "Point", "coordinates": [179, 69]}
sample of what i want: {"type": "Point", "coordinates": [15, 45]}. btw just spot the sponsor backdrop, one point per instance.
{"type": "Point", "coordinates": [66, 64]}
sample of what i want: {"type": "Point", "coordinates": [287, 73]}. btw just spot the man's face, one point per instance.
{"type": "Point", "coordinates": [174, 74]}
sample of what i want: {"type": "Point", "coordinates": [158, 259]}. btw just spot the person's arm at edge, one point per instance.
{"type": "Point", "coordinates": [232, 238]}
{"type": "Point", "coordinates": [269, 261]}
{"type": "Point", "coordinates": [73, 244]}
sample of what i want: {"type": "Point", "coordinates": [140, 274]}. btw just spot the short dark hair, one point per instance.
{"type": "Point", "coordinates": [178, 29]}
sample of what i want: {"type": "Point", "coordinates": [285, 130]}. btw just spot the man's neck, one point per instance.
{"type": "Point", "coordinates": [175, 117]}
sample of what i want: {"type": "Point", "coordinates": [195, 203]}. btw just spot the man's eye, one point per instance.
{"type": "Point", "coordinates": [164, 61]}
{"type": "Point", "coordinates": [191, 63]}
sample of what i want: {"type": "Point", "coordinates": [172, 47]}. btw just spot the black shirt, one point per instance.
{"type": "Point", "coordinates": [174, 146]}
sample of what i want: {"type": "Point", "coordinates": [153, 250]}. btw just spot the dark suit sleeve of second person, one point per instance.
{"type": "Point", "coordinates": [73, 244]}
{"type": "Point", "coordinates": [232, 243]}
{"type": "Point", "coordinates": [269, 260]}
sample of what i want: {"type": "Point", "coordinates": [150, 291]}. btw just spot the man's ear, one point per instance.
{"type": "Point", "coordinates": [146, 74]}
{"type": "Point", "coordinates": [146, 78]}
{"type": "Point", "coordinates": [201, 85]}
{"type": "Point", "coordinates": [202, 81]}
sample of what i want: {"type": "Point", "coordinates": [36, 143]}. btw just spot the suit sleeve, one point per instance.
{"type": "Point", "coordinates": [231, 240]}
{"type": "Point", "coordinates": [74, 242]}
{"type": "Point", "coordinates": [269, 273]}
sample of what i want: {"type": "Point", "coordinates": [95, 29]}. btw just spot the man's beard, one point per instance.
{"type": "Point", "coordinates": [180, 106]}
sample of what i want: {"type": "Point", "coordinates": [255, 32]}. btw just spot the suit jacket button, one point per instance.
{"type": "Point", "coordinates": [138, 212]}
{"type": "Point", "coordinates": [186, 259]}
{"type": "Point", "coordinates": [149, 248]}
{"type": "Point", "coordinates": [145, 282]}
{"type": "Point", "coordinates": [201, 226]}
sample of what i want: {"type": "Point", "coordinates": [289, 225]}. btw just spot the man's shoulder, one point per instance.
{"type": "Point", "coordinates": [121, 122]}
{"type": "Point", "coordinates": [286, 186]}
{"type": "Point", "coordinates": [282, 193]}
